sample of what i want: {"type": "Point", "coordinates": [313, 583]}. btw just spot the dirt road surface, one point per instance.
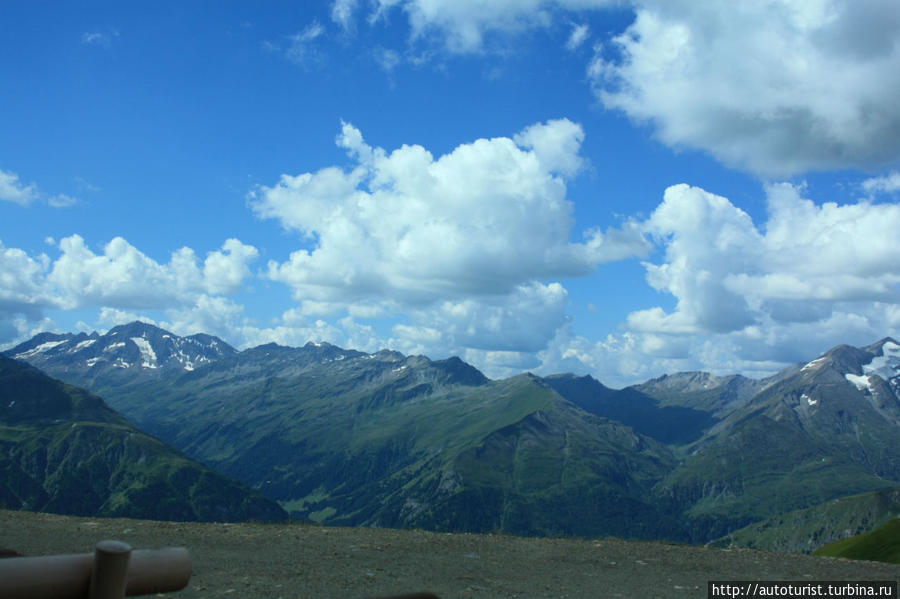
{"type": "Point", "coordinates": [314, 562]}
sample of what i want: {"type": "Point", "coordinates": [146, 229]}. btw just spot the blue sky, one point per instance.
{"type": "Point", "coordinates": [608, 187]}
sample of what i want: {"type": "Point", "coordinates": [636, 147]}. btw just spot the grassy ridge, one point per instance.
{"type": "Point", "coordinates": [64, 450]}
{"type": "Point", "coordinates": [880, 545]}
{"type": "Point", "coordinates": [804, 531]}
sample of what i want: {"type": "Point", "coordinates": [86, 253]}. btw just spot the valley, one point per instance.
{"type": "Point", "coordinates": [345, 438]}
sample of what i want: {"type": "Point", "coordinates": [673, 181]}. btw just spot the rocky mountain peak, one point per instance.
{"type": "Point", "coordinates": [137, 345]}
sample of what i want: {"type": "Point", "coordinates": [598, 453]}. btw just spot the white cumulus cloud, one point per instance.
{"type": "Point", "coordinates": [808, 260]}
{"type": "Point", "coordinates": [774, 87]}
{"type": "Point", "coordinates": [522, 321]}
{"type": "Point", "coordinates": [12, 190]}
{"type": "Point", "coordinates": [22, 288]}
{"type": "Point", "coordinates": [579, 34]}
{"type": "Point", "coordinates": [749, 298]}
{"type": "Point", "coordinates": [777, 87]}
{"type": "Point", "coordinates": [120, 280]}
{"type": "Point", "coordinates": [300, 48]}
{"type": "Point", "coordinates": [889, 183]}
{"type": "Point", "coordinates": [342, 13]}
{"type": "Point", "coordinates": [464, 24]}
{"type": "Point", "coordinates": [462, 244]}
{"type": "Point", "coordinates": [484, 219]}
{"type": "Point", "coordinates": [122, 276]}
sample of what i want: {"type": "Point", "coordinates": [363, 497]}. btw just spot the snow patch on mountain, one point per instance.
{"type": "Point", "coordinates": [860, 380]}
{"type": "Point", "coordinates": [39, 349]}
{"type": "Point", "coordinates": [814, 364]}
{"type": "Point", "coordinates": [188, 363]}
{"type": "Point", "coordinates": [148, 356]}
{"type": "Point", "coordinates": [886, 367]}
{"type": "Point", "coordinates": [83, 345]}
{"type": "Point", "coordinates": [887, 364]}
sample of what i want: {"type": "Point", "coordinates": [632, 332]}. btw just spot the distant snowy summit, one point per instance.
{"type": "Point", "coordinates": [884, 365]}
{"type": "Point", "coordinates": [139, 346]}
{"type": "Point", "coordinates": [135, 345]}
{"type": "Point", "coordinates": [870, 369]}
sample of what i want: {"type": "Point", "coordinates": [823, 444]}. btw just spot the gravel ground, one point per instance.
{"type": "Point", "coordinates": [314, 562]}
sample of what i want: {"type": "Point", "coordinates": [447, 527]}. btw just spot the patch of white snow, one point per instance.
{"type": "Point", "coordinates": [84, 344]}
{"type": "Point", "coordinates": [809, 400]}
{"type": "Point", "coordinates": [147, 354]}
{"type": "Point", "coordinates": [812, 365]}
{"type": "Point", "coordinates": [40, 348]}
{"type": "Point", "coordinates": [887, 364]}
{"type": "Point", "coordinates": [114, 346]}
{"type": "Point", "coordinates": [860, 380]}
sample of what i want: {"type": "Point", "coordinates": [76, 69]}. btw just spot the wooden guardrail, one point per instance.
{"type": "Point", "coordinates": [113, 571]}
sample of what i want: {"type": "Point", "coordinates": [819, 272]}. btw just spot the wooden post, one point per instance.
{"type": "Point", "coordinates": [150, 571]}
{"type": "Point", "coordinates": [110, 572]}
{"type": "Point", "coordinates": [158, 571]}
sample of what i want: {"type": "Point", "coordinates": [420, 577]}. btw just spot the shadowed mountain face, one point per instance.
{"type": "Point", "coordinates": [345, 437]}
{"type": "Point", "coordinates": [28, 396]}
{"type": "Point", "coordinates": [716, 395]}
{"type": "Point", "coordinates": [64, 450]}
{"type": "Point", "coordinates": [671, 424]}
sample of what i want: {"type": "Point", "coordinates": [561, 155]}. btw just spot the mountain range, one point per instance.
{"type": "Point", "coordinates": [345, 437]}
{"type": "Point", "coordinates": [64, 450]}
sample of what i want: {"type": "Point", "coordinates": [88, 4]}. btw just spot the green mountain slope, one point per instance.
{"type": "Point", "coordinates": [342, 437]}
{"type": "Point", "coordinates": [879, 545]}
{"type": "Point", "coordinates": [559, 471]}
{"type": "Point", "coordinates": [804, 531]}
{"type": "Point", "coordinates": [803, 440]}
{"type": "Point", "coordinates": [64, 450]}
